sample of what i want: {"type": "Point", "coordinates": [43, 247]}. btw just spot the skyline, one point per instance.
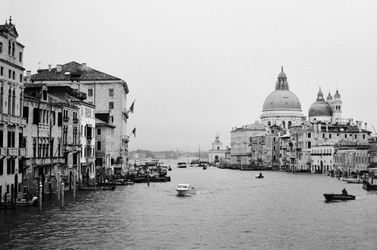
{"type": "Point", "coordinates": [215, 61]}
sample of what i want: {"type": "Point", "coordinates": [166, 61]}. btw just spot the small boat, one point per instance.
{"type": "Point", "coordinates": [339, 197]}
{"type": "Point", "coordinates": [169, 169]}
{"type": "Point", "coordinates": [352, 180]}
{"type": "Point", "coordinates": [367, 185]}
{"type": "Point", "coordinates": [27, 203]}
{"type": "Point", "coordinates": [123, 182]}
{"type": "Point", "coordinates": [259, 176]}
{"type": "Point", "coordinates": [185, 189]}
{"type": "Point", "coordinates": [181, 165]}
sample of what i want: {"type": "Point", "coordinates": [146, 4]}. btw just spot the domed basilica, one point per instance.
{"type": "Point", "coordinates": [282, 107]}
{"type": "Point", "coordinates": [329, 111]}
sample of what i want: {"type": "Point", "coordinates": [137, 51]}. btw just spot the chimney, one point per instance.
{"type": "Point", "coordinates": [28, 73]}
{"type": "Point", "coordinates": [49, 68]}
{"type": "Point", "coordinates": [83, 65]}
{"type": "Point", "coordinates": [366, 126]}
{"type": "Point", "coordinates": [58, 68]}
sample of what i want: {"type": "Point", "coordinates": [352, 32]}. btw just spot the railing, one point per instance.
{"type": "Point", "coordinates": [75, 120]}
{"type": "Point", "coordinates": [4, 118]}
{"type": "Point", "coordinates": [3, 152]}
{"type": "Point", "coordinates": [12, 151]}
{"type": "Point", "coordinates": [22, 152]}
{"type": "Point", "coordinates": [14, 120]}
{"type": "Point", "coordinates": [65, 118]}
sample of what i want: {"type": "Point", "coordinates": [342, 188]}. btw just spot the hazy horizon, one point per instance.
{"type": "Point", "coordinates": [197, 68]}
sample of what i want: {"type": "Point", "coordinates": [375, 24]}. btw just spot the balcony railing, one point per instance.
{"type": "Point", "coordinates": [3, 152]}
{"type": "Point", "coordinates": [22, 152]}
{"type": "Point", "coordinates": [65, 118]}
{"type": "Point", "coordinates": [12, 151]}
{"type": "Point", "coordinates": [75, 120]}
{"type": "Point", "coordinates": [4, 118]}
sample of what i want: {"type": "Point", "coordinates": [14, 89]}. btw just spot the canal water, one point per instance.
{"type": "Point", "coordinates": [231, 210]}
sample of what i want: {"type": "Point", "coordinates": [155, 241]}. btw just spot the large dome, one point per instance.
{"type": "Point", "coordinates": [282, 100]}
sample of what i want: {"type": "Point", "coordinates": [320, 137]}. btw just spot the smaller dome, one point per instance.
{"type": "Point", "coordinates": [320, 107]}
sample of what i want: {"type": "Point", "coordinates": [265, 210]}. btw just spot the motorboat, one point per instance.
{"type": "Point", "coordinates": [181, 165]}
{"type": "Point", "coordinates": [352, 180]}
{"type": "Point", "coordinates": [339, 197]}
{"type": "Point", "coordinates": [369, 186]}
{"type": "Point", "coordinates": [185, 189]}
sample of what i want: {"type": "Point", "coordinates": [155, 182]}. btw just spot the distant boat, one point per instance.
{"type": "Point", "coordinates": [352, 180]}
{"type": "Point", "coordinates": [259, 176]}
{"type": "Point", "coordinates": [369, 186]}
{"type": "Point", "coordinates": [185, 189]}
{"type": "Point", "coordinates": [339, 197]}
{"type": "Point", "coordinates": [181, 165]}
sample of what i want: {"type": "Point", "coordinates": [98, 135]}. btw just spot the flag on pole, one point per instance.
{"type": "Point", "coordinates": [132, 107]}
{"type": "Point", "coordinates": [134, 132]}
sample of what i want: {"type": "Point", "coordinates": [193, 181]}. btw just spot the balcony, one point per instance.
{"type": "Point", "coordinates": [13, 152]}
{"type": "Point", "coordinates": [4, 118]}
{"type": "Point", "coordinates": [3, 152]}
{"type": "Point", "coordinates": [14, 120]}
{"type": "Point", "coordinates": [66, 118]}
{"type": "Point", "coordinates": [22, 152]}
{"type": "Point", "coordinates": [45, 161]}
{"type": "Point", "coordinates": [75, 120]}
{"type": "Point", "coordinates": [23, 122]}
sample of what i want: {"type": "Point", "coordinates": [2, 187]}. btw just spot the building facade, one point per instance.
{"type": "Point", "coordinates": [104, 148]}
{"type": "Point", "coordinates": [240, 154]}
{"type": "Point", "coordinates": [106, 92]}
{"type": "Point", "coordinates": [12, 149]}
{"type": "Point", "coordinates": [217, 153]}
{"type": "Point", "coordinates": [44, 158]}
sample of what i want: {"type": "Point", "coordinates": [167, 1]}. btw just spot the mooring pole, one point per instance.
{"type": "Point", "coordinates": [58, 185]}
{"type": "Point", "coordinates": [74, 186]}
{"type": "Point", "coordinates": [40, 195]}
{"type": "Point", "coordinates": [62, 196]}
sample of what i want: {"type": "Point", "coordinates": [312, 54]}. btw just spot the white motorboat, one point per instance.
{"type": "Point", "coordinates": [181, 165]}
{"type": "Point", "coordinates": [185, 189]}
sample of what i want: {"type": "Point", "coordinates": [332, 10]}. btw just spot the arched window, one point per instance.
{"type": "Point", "coordinates": [14, 102]}
{"type": "Point", "coordinates": [9, 101]}
{"type": "Point", "coordinates": [289, 124]}
{"type": "Point", "coordinates": [269, 123]}
{"type": "Point", "coordinates": [283, 124]}
{"type": "Point", "coordinates": [9, 47]}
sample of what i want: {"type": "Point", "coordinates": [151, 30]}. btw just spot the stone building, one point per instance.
{"type": "Point", "coordinates": [240, 154]}
{"type": "Point", "coordinates": [12, 149]}
{"type": "Point", "coordinates": [282, 107]}
{"type": "Point", "coordinates": [64, 97]}
{"type": "Point", "coordinates": [104, 147]}
{"type": "Point", "coordinates": [217, 153]}
{"type": "Point", "coordinates": [44, 157]}
{"type": "Point", "coordinates": [86, 117]}
{"type": "Point", "coordinates": [340, 155]}
{"type": "Point", "coordinates": [326, 111]}
{"type": "Point", "coordinates": [106, 92]}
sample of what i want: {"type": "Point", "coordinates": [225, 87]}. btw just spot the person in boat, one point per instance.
{"type": "Point", "coordinates": [260, 174]}
{"type": "Point", "coordinates": [344, 191]}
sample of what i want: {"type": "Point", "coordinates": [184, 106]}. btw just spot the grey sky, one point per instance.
{"type": "Point", "coordinates": [200, 67]}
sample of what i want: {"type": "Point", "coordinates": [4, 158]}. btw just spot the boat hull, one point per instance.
{"type": "Point", "coordinates": [368, 186]}
{"type": "Point", "coordinates": [338, 197]}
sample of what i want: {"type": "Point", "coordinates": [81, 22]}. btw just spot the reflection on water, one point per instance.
{"type": "Point", "coordinates": [231, 210]}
